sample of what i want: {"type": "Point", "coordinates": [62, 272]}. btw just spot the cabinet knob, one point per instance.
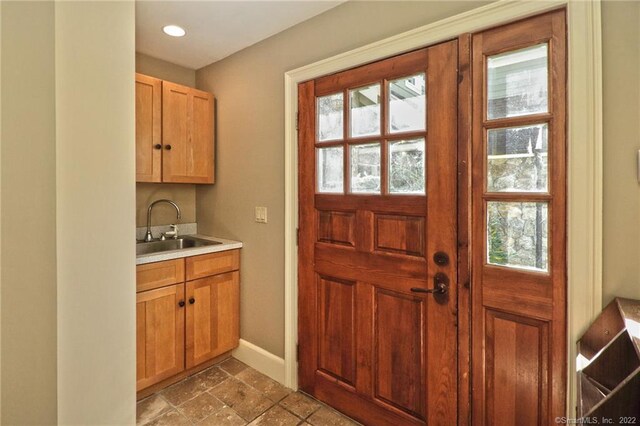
{"type": "Point", "coordinates": [167, 147]}
{"type": "Point", "coordinates": [181, 303]}
{"type": "Point", "coordinates": [192, 301]}
{"type": "Point", "coordinates": [157, 146]}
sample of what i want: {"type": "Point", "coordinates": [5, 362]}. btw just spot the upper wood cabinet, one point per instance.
{"type": "Point", "coordinates": [174, 132]}
{"type": "Point", "coordinates": [148, 129]}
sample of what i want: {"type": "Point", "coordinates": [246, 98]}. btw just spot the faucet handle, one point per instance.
{"type": "Point", "coordinates": [174, 231]}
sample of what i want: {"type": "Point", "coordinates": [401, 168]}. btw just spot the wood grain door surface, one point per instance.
{"type": "Point", "coordinates": [187, 134]}
{"type": "Point", "coordinates": [371, 343]}
{"type": "Point", "coordinates": [519, 223]}
{"type": "Point", "coordinates": [212, 326]}
{"type": "Point", "coordinates": [148, 129]}
{"type": "Point", "coordinates": [160, 334]}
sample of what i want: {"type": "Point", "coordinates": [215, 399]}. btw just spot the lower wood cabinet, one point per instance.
{"type": "Point", "coordinates": [212, 317]}
{"type": "Point", "coordinates": [160, 334]}
{"type": "Point", "coordinates": [183, 325]}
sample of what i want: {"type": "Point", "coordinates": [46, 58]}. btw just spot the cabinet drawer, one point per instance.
{"type": "Point", "coordinates": [212, 264]}
{"type": "Point", "coordinates": [159, 274]}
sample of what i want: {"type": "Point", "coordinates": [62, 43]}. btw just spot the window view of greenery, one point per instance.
{"type": "Point", "coordinates": [517, 82]}
{"type": "Point", "coordinates": [407, 167]}
{"type": "Point", "coordinates": [517, 159]}
{"type": "Point", "coordinates": [517, 234]}
{"type": "Point", "coordinates": [365, 168]}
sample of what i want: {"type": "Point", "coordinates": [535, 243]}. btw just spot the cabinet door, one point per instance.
{"type": "Point", "coordinates": [148, 129]}
{"type": "Point", "coordinates": [160, 334]}
{"type": "Point", "coordinates": [187, 133]}
{"type": "Point", "coordinates": [212, 317]}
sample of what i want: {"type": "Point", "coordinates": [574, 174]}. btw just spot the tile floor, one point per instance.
{"type": "Point", "coordinates": [230, 394]}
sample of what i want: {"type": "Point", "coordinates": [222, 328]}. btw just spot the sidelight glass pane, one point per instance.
{"type": "Point", "coordinates": [407, 167]}
{"type": "Point", "coordinates": [517, 234]}
{"type": "Point", "coordinates": [407, 104]}
{"type": "Point", "coordinates": [365, 111]}
{"type": "Point", "coordinates": [330, 117]}
{"type": "Point", "coordinates": [365, 168]}
{"type": "Point", "coordinates": [517, 82]}
{"type": "Point", "coordinates": [517, 159]}
{"type": "Point", "coordinates": [330, 169]}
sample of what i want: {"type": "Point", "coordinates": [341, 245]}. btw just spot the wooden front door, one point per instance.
{"type": "Point", "coordinates": [378, 231]}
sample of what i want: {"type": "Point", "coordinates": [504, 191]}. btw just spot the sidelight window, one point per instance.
{"type": "Point", "coordinates": [517, 158]}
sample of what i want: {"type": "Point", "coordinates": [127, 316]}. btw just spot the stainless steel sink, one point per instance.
{"type": "Point", "coordinates": [169, 245]}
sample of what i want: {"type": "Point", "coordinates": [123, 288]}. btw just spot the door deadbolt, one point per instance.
{"type": "Point", "coordinates": [441, 258]}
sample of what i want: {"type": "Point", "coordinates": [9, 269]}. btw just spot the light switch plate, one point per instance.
{"type": "Point", "coordinates": [261, 214]}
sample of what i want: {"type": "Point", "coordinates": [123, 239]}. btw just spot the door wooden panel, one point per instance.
{"type": "Point", "coordinates": [212, 326]}
{"type": "Point", "coordinates": [519, 223]}
{"type": "Point", "coordinates": [371, 343]}
{"type": "Point", "coordinates": [187, 134]}
{"type": "Point", "coordinates": [148, 129]}
{"type": "Point", "coordinates": [160, 334]}
{"type": "Point", "coordinates": [400, 234]}
{"type": "Point", "coordinates": [516, 365]}
{"type": "Point", "coordinates": [337, 227]}
{"type": "Point", "coordinates": [399, 351]}
{"type": "Point", "coordinates": [337, 338]}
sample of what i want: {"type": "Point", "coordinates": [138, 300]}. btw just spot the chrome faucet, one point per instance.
{"type": "Point", "coordinates": [148, 236]}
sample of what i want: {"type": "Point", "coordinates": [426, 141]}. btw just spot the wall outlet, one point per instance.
{"type": "Point", "coordinates": [261, 214]}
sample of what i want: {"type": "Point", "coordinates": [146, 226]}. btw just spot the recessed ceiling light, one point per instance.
{"type": "Point", "coordinates": [174, 30]}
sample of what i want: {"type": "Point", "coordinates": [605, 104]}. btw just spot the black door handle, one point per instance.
{"type": "Point", "coordinates": [192, 301]}
{"type": "Point", "coordinates": [440, 285]}
{"type": "Point", "coordinates": [181, 303]}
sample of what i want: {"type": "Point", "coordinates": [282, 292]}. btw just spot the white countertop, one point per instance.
{"type": "Point", "coordinates": [192, 251]}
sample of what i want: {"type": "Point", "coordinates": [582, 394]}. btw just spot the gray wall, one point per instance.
{"type": "Point", "coordinates": [621, 90]}
{"type": "Point", "coordinates": [28, 188]}
{"type": "Point", "coordinates": [68, 200]}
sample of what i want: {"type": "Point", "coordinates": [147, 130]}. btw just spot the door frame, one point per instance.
{"type": "Point", "coordinates": [584, 168]}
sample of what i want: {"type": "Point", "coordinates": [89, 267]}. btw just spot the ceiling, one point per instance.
{"type": "Point", "coordinates": [215, 29]}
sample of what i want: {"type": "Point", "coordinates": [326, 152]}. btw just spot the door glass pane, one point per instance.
{"type": "Point", "coordinates": [407, 167]}
{"type": "Point", "coordinates": [330, 169]}
{"type": "Point", "coordinates": [330, 117]}
{"type": "Point", "coordinates": [407, 104]}
{"type": "Point", "coordinates": [517, 234]}
{"type": "Point", "coordinates": [517, 159]}
{"type": "Point", "coordinates": [517, 82]}
{"type": "Point", "coordinates": [365, 168]}
{"type": "Point", "coordinates": [365, 111]}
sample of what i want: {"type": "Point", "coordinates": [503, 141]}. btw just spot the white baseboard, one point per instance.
{"type": "Point", "coordinates": [260, 359]}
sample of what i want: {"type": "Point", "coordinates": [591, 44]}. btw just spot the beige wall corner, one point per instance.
{"type": "Point", "coordinates": [28, 188]}
{"type": "Point", "coordinates": [163, 214]}
{"type": "Point", "coordinates": [249, 88]}
{"type": "Point", "coordinates": [183, 194]}
{"type": "Point", "coordinates": [621, 99]}
{"type": "Point", "coordinates": [164, 70]}
{"type": "Point", "coordinates": [95, 64]}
